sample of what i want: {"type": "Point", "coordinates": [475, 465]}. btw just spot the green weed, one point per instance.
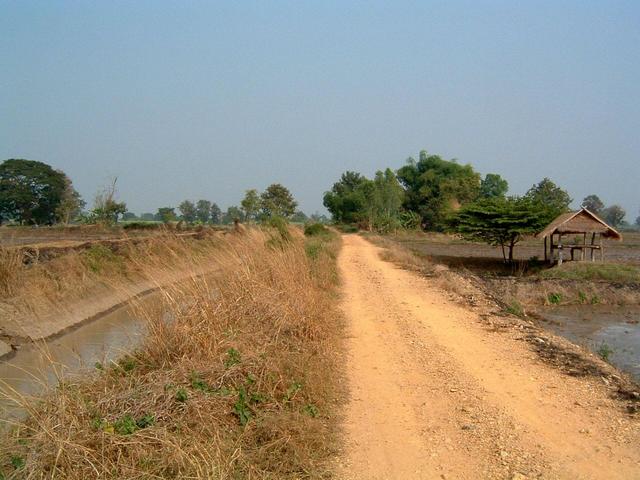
{"type": "Point", "coordinates": [241, 408]}
{"type": "Point", "coordinates": [181, 395]}
{"type": "Point", "coordinates": [233, 358]}
{"type": "Point", "coordinates": [582, 297]}
{"type": "Point", "coordinates": [604, 352]}
{"type": "Point", "coordinates": [554, 298]}
{"type": "Point", "coordinates": [310, 410]}
{"type": "Point", "coordinates": [515, 308]}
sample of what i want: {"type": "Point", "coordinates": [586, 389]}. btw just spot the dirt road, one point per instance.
{"type": "Point", "coordinates": [435, 394]}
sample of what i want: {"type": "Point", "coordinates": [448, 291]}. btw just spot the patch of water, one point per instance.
{"type": "Point", "coordinates": [601, 328]}
{"type": "Point", "coordinates": [38, 366]}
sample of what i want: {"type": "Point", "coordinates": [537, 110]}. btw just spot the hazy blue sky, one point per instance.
{"type": "Point", "coordinates": [205, 100]}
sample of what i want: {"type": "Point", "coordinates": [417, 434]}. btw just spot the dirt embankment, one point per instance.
{"type": "Point", "coordinates": [444, 390]}
{"type": "Point", "coordinates": [49, 289]}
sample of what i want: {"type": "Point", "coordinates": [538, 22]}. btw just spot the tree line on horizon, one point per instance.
{"type": "Point", "coordinates": [34, 193]}
{"type": "Point", "coordinates": [435, 194]}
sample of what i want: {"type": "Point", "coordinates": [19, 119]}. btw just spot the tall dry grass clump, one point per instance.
{"type": "Point", "coordinates": [10, 262]}
{"type": "Point", "coordinates": [237, 378]}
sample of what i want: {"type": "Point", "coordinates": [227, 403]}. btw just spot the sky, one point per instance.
{"type": "Point", "coordinates": [195, 100]}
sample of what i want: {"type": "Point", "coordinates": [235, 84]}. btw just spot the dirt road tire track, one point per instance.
{"type": "Point", "coordinates": [436, 395]}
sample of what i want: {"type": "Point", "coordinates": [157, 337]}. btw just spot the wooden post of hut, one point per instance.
{"type": "Point", "coordinates": [582, 222]}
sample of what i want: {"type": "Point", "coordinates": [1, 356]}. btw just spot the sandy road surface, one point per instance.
{"type": "Point", "coordinates": [435, 394]}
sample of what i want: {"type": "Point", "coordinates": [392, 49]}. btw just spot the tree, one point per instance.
{"type": "Point", "coordinates": [106, 208]}
{"type": "Point", "coordinates": [129, 216]}
{"type": "Point", "coordinates": [71, 203]}
{"type": "Point", "coordinates": [499, 221]}
{"type": "Point", "coordinates": [232, 214]}
{"type": "Point", "coordinates": [346, 200]}
{"type": "Point", "coordinates": [299, 217]}
{"type": "Point", "coordinates": [593, 204]}
{"type": "Point", "coordinates": [30, 191]}
{"type": "Point", "coordinates": [250, 204]}
{"type": "Point", "coordinates": [277, 200]}
{"type": "Point", "coordinates": [187, 211]}
{"type": "Point", "coordinates": [166, 215]}
{"type": "Point", "coordinates": [493, 186]}
{"type": "Point", "coordinates": [614, 215]}
{"type": "Point", "coordinates": [317, 217]}
{"type": "Point", "coordinates": [147, 217]}
{"type": "Point", "coordinates": [434, 187]}
{"type": "Point", "coordinates": [216, 214]}
{"type": "Point", "coordinates": [553, 199]}
{"type": "Point", "coordinates": [203, 210]}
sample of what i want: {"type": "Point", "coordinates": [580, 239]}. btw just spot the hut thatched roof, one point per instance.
{"type": "Point", "coordinates": [582, 221]}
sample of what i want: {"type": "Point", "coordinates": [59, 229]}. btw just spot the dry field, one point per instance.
{"type": "Point", "coordinates": [478, 256]}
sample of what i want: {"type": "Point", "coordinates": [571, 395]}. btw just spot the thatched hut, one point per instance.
{"type": "Point", "coordinates": [587, 231]}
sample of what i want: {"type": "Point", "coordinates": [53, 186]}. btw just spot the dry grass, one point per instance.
{"type": "Point", "coordinates": [236, 379]}
{"type": "Point", "coordinates": [33, 285]}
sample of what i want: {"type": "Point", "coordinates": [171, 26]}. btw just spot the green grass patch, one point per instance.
{"type": "Point", "coordinates": [611, 272]}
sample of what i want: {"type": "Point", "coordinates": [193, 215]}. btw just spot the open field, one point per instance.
{"type": "Point", "coordinates": [481, 257]}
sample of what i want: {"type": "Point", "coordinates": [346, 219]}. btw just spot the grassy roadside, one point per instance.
{"type": "Point", "coordinates": [237, 378]}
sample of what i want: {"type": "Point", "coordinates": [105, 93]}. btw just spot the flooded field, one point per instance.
{"type": "Point", "coordinates": [611, 332]}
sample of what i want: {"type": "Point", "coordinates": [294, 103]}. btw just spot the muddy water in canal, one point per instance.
{"type": "Point", "coordinates": [612, 331]}
{"type": "Point", "coordinates": [36, 366]}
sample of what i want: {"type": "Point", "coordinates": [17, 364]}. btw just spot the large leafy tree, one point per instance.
{"type": "Point", "coordinates": [203, 210]}
{"type": "Point", "coordinates": [493, 186]}
{"type": "Point", "coordinates": [434, 187]}
{"type": "Point", "coordinates": [232, 214]}
{"type": "Point", "coordinates": [277, 200]}
{"type": "Point", "coordinates": [549, 197]}
{"type": "Point", "coordinates": [346, 200]}
{"type": "Point", "coordinates": [593, 204]}
{"type": "Point", "coordinates": [166, 214]}
{"type": "Point", "coordinates": [499, 221]}
{"type": "Point", "coordinates": [30, 191]}
{"type": "Point", "coordinates": [71, 203]}
{"type": "Point", "coordinates": [216, 214]}
{"type": "Point", "coordinates": [614, 215]}
{"type": "Point", "coordinates": [250, 204]}
{"type": "Point", "coordinates": [188, 211]}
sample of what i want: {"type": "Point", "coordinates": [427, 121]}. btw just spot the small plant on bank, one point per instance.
{"type": "Point", "coordinates": [595, 300]}
{"type": "Point", "coordinates": [554, 298]}
{"type": "Point", "coordinates": [604, 352]}
{"type": "Point", "coordinates": [582, 297]}
{"type": "Point", "coordinates": [515, 308]}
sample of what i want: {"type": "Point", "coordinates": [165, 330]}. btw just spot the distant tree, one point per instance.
{"type": "Point", "coordinates": [233, 213]}
{"type": "Point", "coordinates": [551, 198]}
{"type": "Point", "coordinates": [166, 215]}
{"type": "Point", "coordinates": [250, 204]}
{"type": "Point", "coordinates": [203, 210]}
{"type": "Point", "coordinates": [614, 215]}
{"type": "Point", "coordinates": [434, 187]}
{"type": "Point", "coordinates": [277, 200]}
{"type": "Point", "coordinates": [638, 221]}
{"type": "Point", "coordinates": [317, 217]}
{"type": "Point", "coordinates": [71, 203]}
{"type": "Point", "coordinates": [299, 217]}
{"type": "Point", "coordinates": [30, 191]}
{"type": "Point", "coordinates": [187, 211]}
{"type": "Point", "coordinates": [499, 221]}
{"type": "Point", "coordinates": [147, 217]}
{"type": "Point", "coordinates": [129, 216]}
{"type": "Point", "coordinates": [106, 209]}
{"type": "Point", "coordinates": [493, 186]}
{"type": "Point", "coordinates": [216, 214]}
{"type": "Point", "coordinates": [593, 204]}
{"type": "Point", "coordinates": [346, 200]}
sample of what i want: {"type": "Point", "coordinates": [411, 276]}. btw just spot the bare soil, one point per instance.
{"type": "Point", "coordinates": [443, 390]}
